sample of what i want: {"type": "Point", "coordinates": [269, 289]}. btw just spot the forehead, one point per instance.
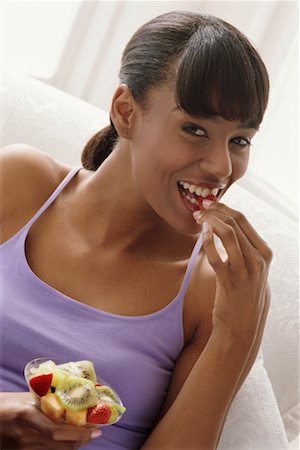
{"type": "Point", "coordinates": [162, 101]}
{"type": "Point", "coordinates": [164, 95]}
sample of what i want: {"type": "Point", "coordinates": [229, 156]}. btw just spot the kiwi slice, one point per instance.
{"type": "Point", "coordinates": [83, 369]}
{"type": "Point", "coordinates": [77, 393]}
{"type": "Point", "coordinates": [105, 391]}
{"type": "Point", "coordinates": [116, 412]}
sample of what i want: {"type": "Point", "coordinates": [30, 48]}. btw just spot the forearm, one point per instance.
{"type": "Point", "coordinates": [195, 419]}
{"type": "Point", "coordinates": [254, 349]}
{"type": "Point", "coordinates": [256, 345]}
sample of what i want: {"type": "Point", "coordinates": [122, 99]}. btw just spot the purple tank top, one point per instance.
{"type": "Point", "coordinates": [135, 354]}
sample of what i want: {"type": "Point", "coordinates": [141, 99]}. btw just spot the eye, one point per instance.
{"type": "Point", "coordinates": [194, 130]}
{"type": "Point", "coordinates": [241, 141]}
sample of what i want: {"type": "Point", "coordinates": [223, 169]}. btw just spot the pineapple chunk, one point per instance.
{"type": "Point", "coordinates": [50, 367]}
{"type": "Point", "coordinates": [76, 417]}
{"type": "Point", "coordinates": [58, 377]}
{"type": "Point", "coordinates": [51, 406]}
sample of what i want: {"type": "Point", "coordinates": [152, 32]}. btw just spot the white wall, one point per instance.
{"type": "Point", "coordinates": [88, 64]}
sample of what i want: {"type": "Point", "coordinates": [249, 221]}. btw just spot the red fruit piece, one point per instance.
{"type": "Point", "coordinates": [99, 414]}
{"type": "Point", "coordinates": [41, 383]}
{"type": "Point", "coordinates": [98, 384]}
{"type": "Point", "coordinates": [210, 197]}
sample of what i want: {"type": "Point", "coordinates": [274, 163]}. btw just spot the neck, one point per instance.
{"type": "Point", "coordinates": [114, 215]}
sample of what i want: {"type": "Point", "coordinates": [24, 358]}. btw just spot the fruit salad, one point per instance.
{"type": "Point", "coordinates": [72, 393]}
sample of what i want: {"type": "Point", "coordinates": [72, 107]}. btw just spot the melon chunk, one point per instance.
{"type": "Point", "coordinates": [51, 406]}
{"type": "Point", "coordinates": [76, 417]}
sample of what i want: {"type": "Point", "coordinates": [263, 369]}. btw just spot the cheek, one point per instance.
{"type": "Point", "coordinates": [153, 154]}
{"type": "Point", "coordinates": [146, 166]}
{"type": "Point", "coordinates": [239, 165]}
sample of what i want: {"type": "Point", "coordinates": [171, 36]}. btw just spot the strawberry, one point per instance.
{"type": "Point", "coordinates": [210, 197]}
{"type": "Point", "coordinates": [99, 414]}
{"type": "Point", "coordinates": [41, 383]}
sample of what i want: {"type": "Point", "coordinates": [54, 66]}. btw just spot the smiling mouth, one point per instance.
{"type": "Point", "coordinates": [195, 195]}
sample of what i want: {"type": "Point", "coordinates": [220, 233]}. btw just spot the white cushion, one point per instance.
{"type": "Point", "coordinates": [253, 421]}
{"type": "Point", "coordinates": [281, 339]}
{"type": "Point", "coordinates": [39, 115]}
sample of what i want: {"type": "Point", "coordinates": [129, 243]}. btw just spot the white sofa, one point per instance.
{"type": "Point", "coordinates": [39, 115]}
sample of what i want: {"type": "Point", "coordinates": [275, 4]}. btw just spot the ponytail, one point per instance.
{"type": "Point", "coordinates": [99, 147]}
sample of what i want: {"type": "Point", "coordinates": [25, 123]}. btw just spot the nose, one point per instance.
{"type": "Point", "coordinates": [217, 161]}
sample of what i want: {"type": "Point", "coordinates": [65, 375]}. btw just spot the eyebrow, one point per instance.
{"type": "Point", "coordinates": [242, 125]}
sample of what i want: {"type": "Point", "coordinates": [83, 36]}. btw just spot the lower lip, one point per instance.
{"type": "Point", "coordinates": [190, 206]}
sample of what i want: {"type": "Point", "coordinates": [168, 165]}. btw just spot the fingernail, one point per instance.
{"type": "Point", "coordinates": [96, 434]}
{"type": "Point", "coordinates": [207, 203]}
{"type": "Point", "coordinates": [205, 227]}
{"type": "Point", "coordinates": [197, 214]}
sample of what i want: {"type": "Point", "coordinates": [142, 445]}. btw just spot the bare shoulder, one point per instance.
{"type": "Point", "coordinates": [28, 176]}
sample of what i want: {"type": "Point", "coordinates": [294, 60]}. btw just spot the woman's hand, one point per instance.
{"type": "Point", "coordinates": [23, 426]}
{"type": "Point", "coordinates": [241, 280]}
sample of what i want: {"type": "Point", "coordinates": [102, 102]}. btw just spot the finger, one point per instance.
{"type": "Point", "coordinates": [246, 248]}
{"type": "Point", "coordinates": [33, 440]}
{"type": "Point", "coordinates": [252, 235]}
{"type": "Point", "coordinates": [72, 433]}
{"type": "Point", "coordinates": [248, 242]}
{"type": "Point", "coordinates": [240, 251]}
{"type": "Point", "coordinates": [60, 432]}
{"type": "Point", "coordinates": [229, 239]}
{"type": "Point", "coordinates": [28, 438]}
{"type": "Point", "coordinates": [211, 252]}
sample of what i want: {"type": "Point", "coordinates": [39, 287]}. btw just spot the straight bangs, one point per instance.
{"type": "Point", "coordinates": [219, 73]}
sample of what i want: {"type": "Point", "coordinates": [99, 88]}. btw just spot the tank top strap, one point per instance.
{"type": "Point", "coordinates": [190, 267]}
{"type": "Point", "coordinates": [54, 195]}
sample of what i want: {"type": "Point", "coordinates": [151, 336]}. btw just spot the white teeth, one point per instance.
{"type": "Point", "coordinates": [189, 198]}
{"type": "Point", "coordinates": [192, 188]}
{"type": "Point", "coordinates": [199, 191]}
{"type": "Point", "coordinates": [205, 192]}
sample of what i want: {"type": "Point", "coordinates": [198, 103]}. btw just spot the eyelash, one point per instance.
{"type": "Point", "coordinates": [246, 144]}
{"type": "Point", "coordinates": [191, 129]}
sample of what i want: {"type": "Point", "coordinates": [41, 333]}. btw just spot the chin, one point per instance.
{"type": "Point", "coordinates": [186, 229]}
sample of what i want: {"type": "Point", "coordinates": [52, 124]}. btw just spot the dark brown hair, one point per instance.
{"type": "Point", "coordinates": [213, 66]}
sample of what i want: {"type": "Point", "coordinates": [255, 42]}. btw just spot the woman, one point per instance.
{"type": "Point", "coordinates": [105, 263]}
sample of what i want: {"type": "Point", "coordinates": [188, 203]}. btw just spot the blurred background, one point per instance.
{"type": "Point", "coordinates": [76, 46]}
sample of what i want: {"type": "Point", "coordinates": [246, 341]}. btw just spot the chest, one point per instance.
{"type": "Point", "coordinates": [113, 282]}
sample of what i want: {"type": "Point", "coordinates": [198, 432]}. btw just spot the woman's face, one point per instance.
{"type": "Point", "coordinates": [176, 158]}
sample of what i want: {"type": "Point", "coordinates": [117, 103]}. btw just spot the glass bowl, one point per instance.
{"type": "Point", "coordinates": [73, 393]}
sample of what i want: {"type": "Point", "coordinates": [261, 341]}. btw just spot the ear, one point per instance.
{"type": "Point", "coordinates": [122, 111]}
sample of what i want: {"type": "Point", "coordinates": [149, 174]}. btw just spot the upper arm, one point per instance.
{"type": "Point", "coordinates": [197, 319]}
{"type": "Point", "coordinates": [27, 176]}
{"type": "Point", "coordinates": [200, 307]}
{"type": "Point", "coordinates": [184, 364]}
